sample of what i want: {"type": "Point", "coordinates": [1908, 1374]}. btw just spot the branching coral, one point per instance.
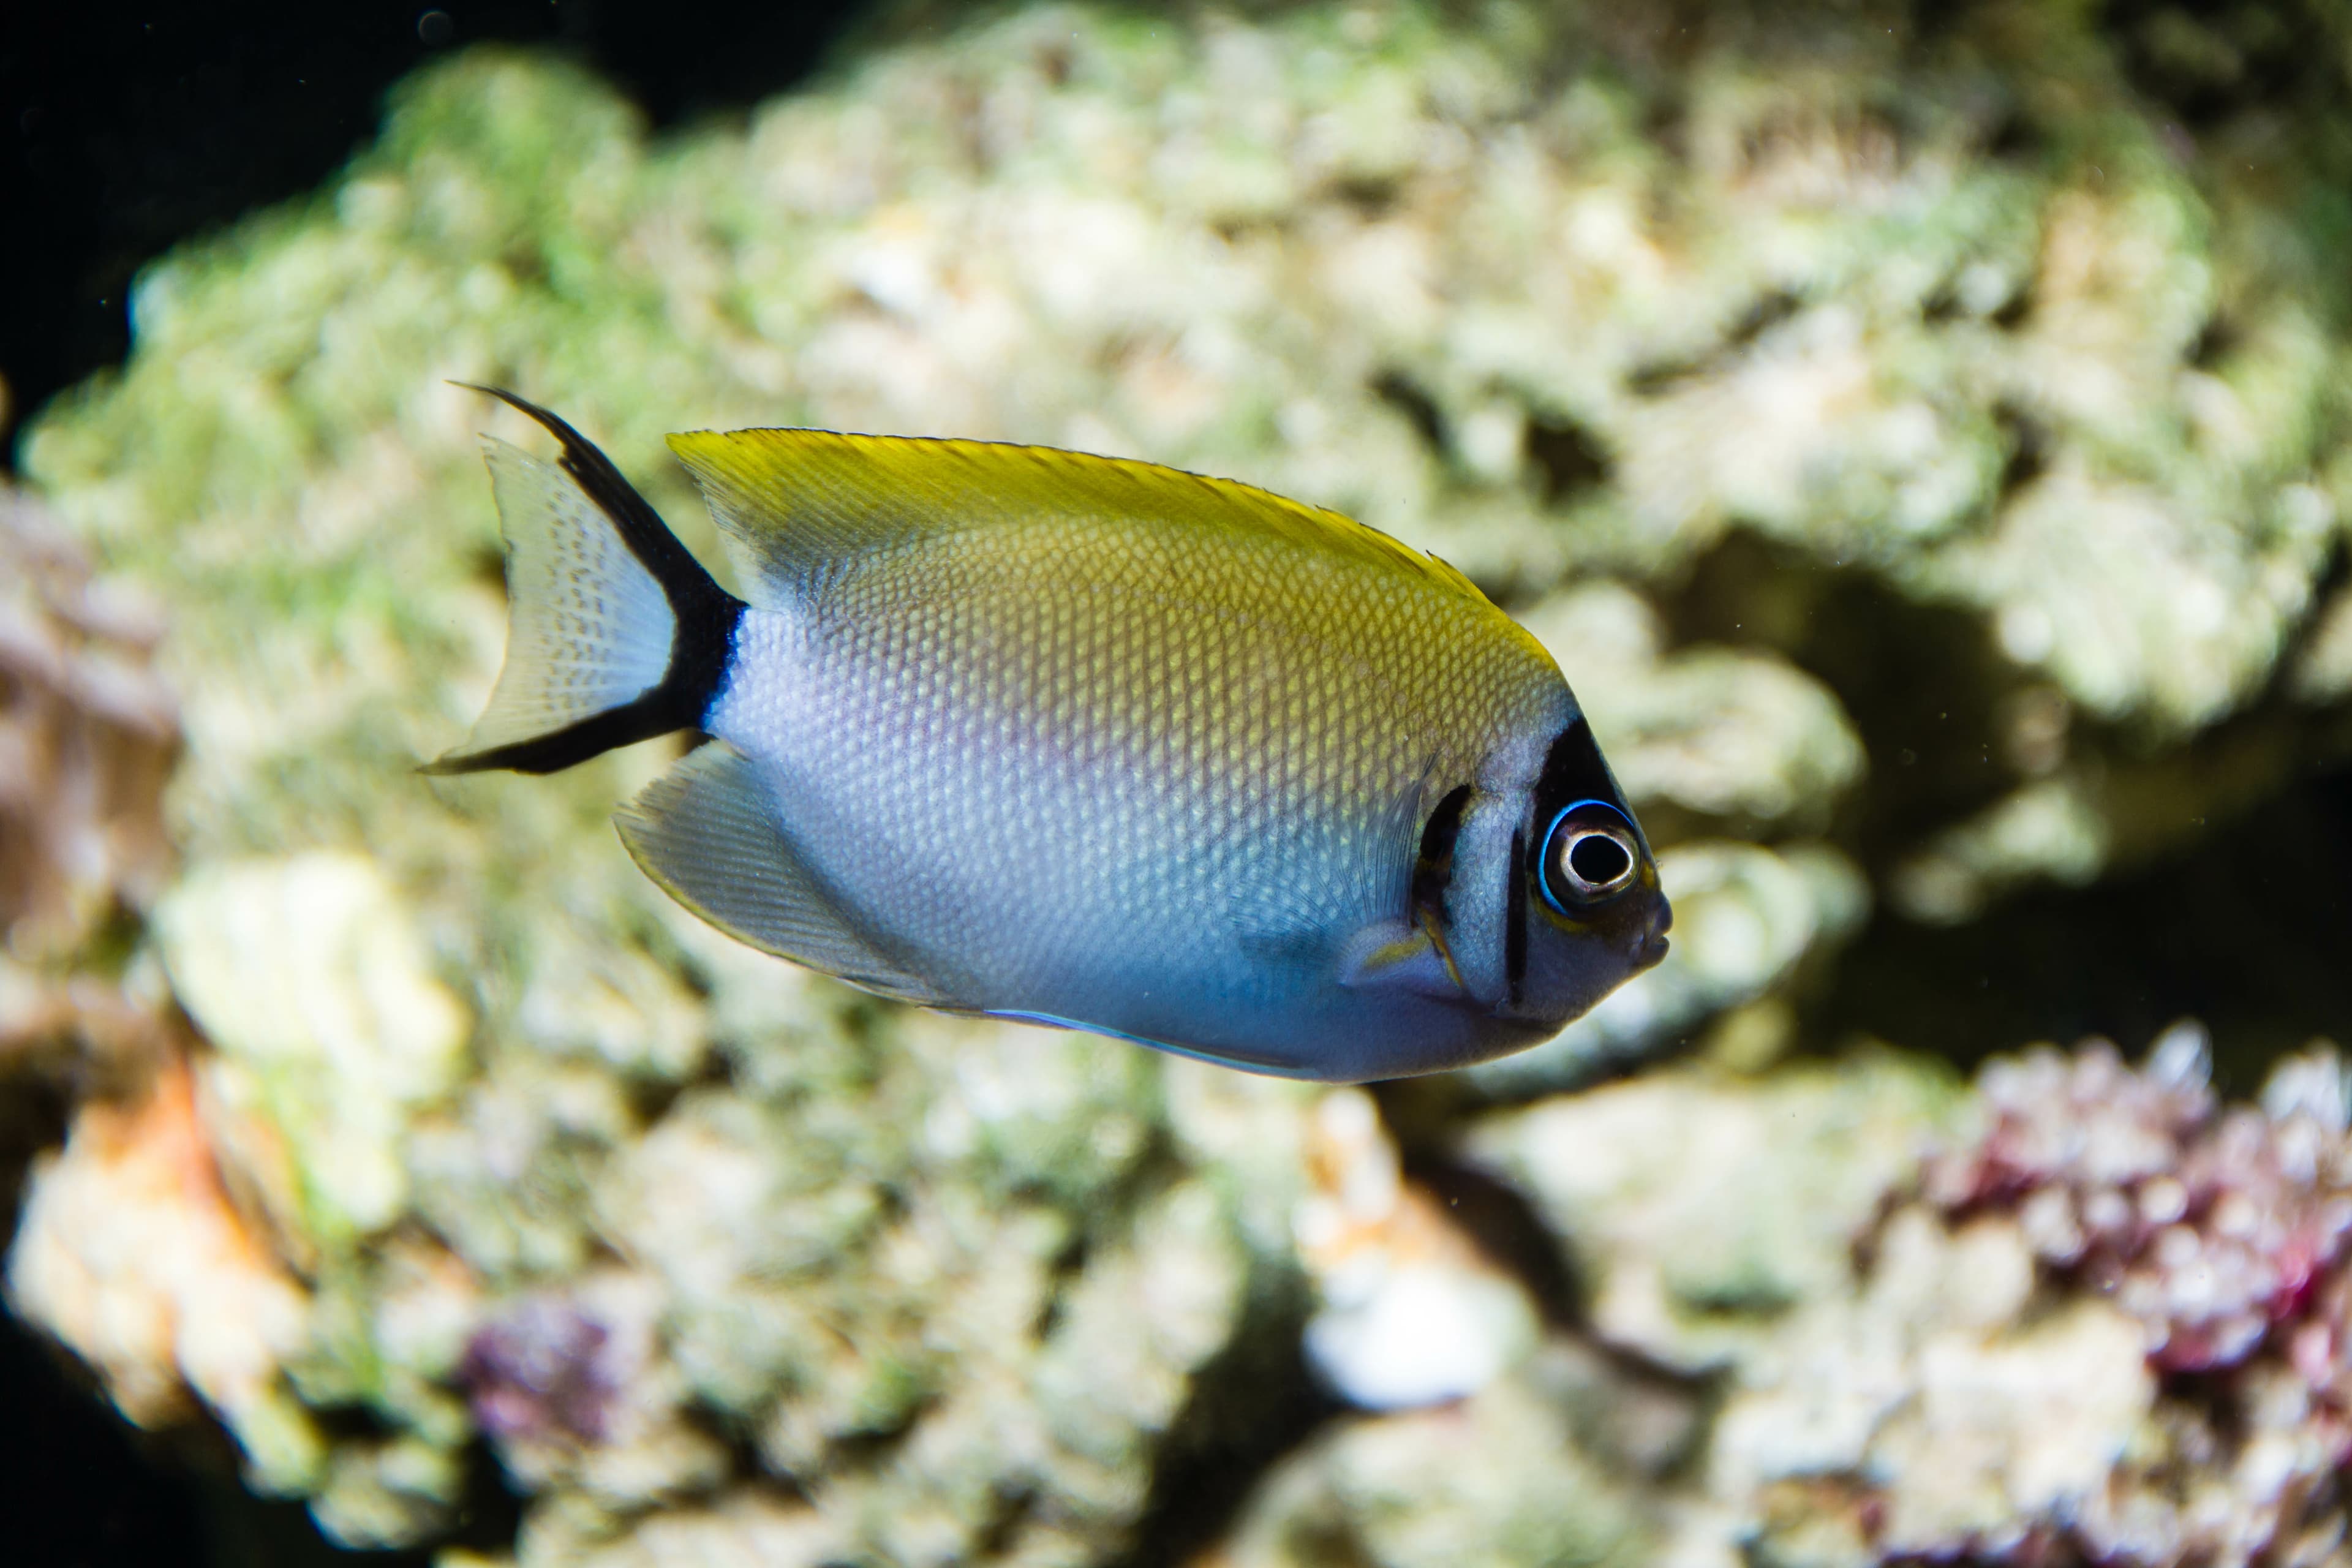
{"type": "Point", "coordinates": [2226, 1234]}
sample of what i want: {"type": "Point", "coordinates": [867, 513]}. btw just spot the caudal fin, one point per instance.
{"type": "Point", "coordinates": [614, 632]}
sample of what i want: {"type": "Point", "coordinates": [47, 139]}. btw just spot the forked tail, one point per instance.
{"type": "Point", "coordinates": [614, 632]}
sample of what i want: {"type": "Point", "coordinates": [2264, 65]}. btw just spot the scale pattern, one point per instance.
{"type": "Point", "coordinates": [1134, 767]}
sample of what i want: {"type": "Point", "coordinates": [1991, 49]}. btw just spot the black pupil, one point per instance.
{"type": "Point", "coordinates": [1599, 859]}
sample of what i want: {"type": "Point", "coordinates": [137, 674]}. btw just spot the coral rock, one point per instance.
{"type": "Point", "coordinates": [1412, 1314]}
{"type": "Point", "coordinates": [131, 1253]}
{"type": "Point", "coordinates": [1699, 1207]}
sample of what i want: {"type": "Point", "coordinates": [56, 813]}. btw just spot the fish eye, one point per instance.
{"type": "Point", "coordinates": [1590, 854]}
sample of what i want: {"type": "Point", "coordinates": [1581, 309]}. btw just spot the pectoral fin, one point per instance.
{"type": "Point", "coordinates": [1396, 955]}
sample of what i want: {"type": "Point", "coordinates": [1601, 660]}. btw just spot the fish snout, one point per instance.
{"type": "Point", "coordinates": [1653, 945]}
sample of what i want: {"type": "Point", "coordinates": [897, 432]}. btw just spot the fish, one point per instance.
{"type": "Point", "coordinates": [1077, 742]}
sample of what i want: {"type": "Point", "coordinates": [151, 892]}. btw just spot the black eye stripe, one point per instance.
{"type": "Point", "coordinates": [1515, 918]}
{"type": "Point", "coordinates": [1432, 868]}
{"type": "Point", "coordinates": [1572, 770]}
{"type": "Point", "coordinates": [1574, 777]}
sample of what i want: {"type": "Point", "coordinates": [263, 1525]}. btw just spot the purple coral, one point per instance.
{"type": "Point", "coordinates": [2227, 1232]}
{"type": "Point", "coordinates": [542, 1372]}
{"type": "Point", "coordinates": [2216, 1228]}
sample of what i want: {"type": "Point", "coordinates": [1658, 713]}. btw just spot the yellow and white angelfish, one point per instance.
{"type": "Point", "coordinates": [1079, 742]}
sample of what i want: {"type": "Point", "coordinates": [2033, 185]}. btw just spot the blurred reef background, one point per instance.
{"type": "Point", "coordinates": [1919, 430]}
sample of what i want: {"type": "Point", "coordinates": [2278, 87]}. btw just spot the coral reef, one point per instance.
{"type": "Point", "coordinates": [2224, 1235]}
{"type": "Point", "coordinates": [1919, 432]}
{"type": "Point", "coordinates": [2083, 1314]}
{"type": "Point", "coordinates": [1697, 1208]}
{"type": "Point", "coordinates": [1983, 334]}
{"type": "Point", "coordinates": [2107, 1328]}
{"type": "Point", "coordinates": [131, 1250]}
{"type": "Point", "coordinates": [1505, 1475]}
{"type": "Point", "coordinates": [1411, 1313]}
{"type": "Point", "coordinates": [88, 737]}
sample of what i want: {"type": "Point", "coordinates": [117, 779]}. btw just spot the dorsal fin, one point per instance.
{"type": "Point", "coordinates": [799, 501]}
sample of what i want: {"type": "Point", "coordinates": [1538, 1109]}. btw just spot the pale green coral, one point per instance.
{"type": "Point", "coordinates": [1941, 1373]}
{"type": "Point", "coordinates": [2046, 829]}
{"type": "Point", "coordinates": [1503, 1478]}
{"type": "Point", "coordinates": [1725, 733]}
{"type": "Point", "coordinates": [1701, 1206]}
{"type": "Point", "coordinates": [308, 978]}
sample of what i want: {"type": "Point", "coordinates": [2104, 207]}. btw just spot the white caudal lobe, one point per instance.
{"type": "Point", "coordinates": [590, 628]}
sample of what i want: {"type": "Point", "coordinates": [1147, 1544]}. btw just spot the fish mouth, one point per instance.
{"type": "Point", "coordinates": [1652, 948]}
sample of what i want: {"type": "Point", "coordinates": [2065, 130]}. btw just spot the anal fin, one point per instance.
{"type": "Point", "coordinates": [709, 833]}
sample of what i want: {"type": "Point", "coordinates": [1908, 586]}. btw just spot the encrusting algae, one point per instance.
{"type": "Point", "coordinates": [1931, 441]}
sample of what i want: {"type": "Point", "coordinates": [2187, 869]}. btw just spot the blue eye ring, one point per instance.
{"type": "Point", "coordinates": [1554, 857]}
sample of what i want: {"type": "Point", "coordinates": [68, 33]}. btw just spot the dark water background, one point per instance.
{"type": "Point", "coordinates": [130, 127]}
{"type": "Point", "coordinates": [125, 129]}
